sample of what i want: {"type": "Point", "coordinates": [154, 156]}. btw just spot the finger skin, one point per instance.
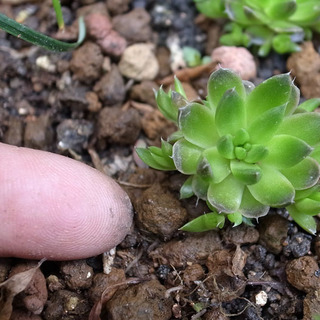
{"type": "Point", "coordinates": [57, 208]}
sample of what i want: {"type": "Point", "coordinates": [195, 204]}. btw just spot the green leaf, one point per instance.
{"type": "Point", "coordinates": [281, 9]}
{"type": "Point", "coordinates": [225, 147]}
{"type": "Point", "coordinates": [186, 156]}
{"type": "Point", "coordinates": [306, 13]}
{"type": "Point", "coordinates": [197, 123]}
{"type": "Point", "coordinates": [178, 87]}
{"type": "Point", "coordinates": [305, 221]}
{"type": "Point", "coordinates": [245, 172]}
{"type": "Point", "coordinates": [191, 56]}
{"type": "Point", "coordinates": [205, 222]}
{"type": "Point", "coordinates": [310, 105]}
{"type": "Point", "coordinates": [280, 26]}
{"type": "Point", "coordinates": [220, 166]}
{"type": "Point", "coordinates": [219, 82]}
{"type": "Point", "coordinates": [147, 157]}
{"type": "Point", "coordinates": [308, 206]}
{"type": "Point", "coordinates": [305, 126]}
{"type": "Point", "coordinates": [235, 218]}
{"type": "Point", "coordinates": [315, 154]}
{"type": "Point", "coordinates": [57, 8]}
{"type": "Point", "coordinates": [25, 33]}
{"type": "Point", "coordinates": [200, 186]}
{"type": "Point", "coordinates": [212, 9]}
{"type": "Point", "coordinates": [282, 43]}
{"type": "Point", "coordinates": [186, 189]}
{"type": "Point", "coordinates": [301, 194]}
{"type": "Point", "coordinates": [303, 175]}
{"type": "Point", "coordinates": [231, 113]}
{"type": "Point", "coordinates": [166, 148]}
{"type": "Point", "coordinates": [241, 137]}
{"type": "Point", "coordinates": [236, 11]}
{"type": "Point", "coordinates": [165, 105]}
{"type": "Point", "coordinates": [257, 153]}
{"type": "Point", "coordinates": [264, 126]}
{"type": "Point", "coordinates": [277, 89]}
{"type": "Point", "coordinates": [226, 196]}
{"type": "Point", "coordinates": [252, 208]}
{"type": "Point", "coordinates": [286, 151]}
{"type": "Point", "coordinates": [273, 189]}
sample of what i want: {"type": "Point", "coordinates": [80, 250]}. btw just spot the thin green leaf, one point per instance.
{"type": "Point", "coordinates": [186, 189]}
{"type": "Point", "coordinates": [39, 39]}
{"type": "Point", "coordinates": [273, 189]}
{"type": "Point", "coordinates": [310, 105]}
{"type": "Point", "coordinates": [305, 221]}
{"type": "Point", "coordinates": [178, 87]}
{"type": "Point", "coordinates": [205, 222]}
{"type": "Point", "coordinates": [146, 156]}
{"type": "Point", "coordinates": [57, 8]}
{"type": "Point", "coordinates": [165, 105]}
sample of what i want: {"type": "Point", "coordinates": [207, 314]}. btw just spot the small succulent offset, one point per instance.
{"type": "Point", "coordinates": [268, 24]}
{"type": "Point", "coordinates": [244, 148]}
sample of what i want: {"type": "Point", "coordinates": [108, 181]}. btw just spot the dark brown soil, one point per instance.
{"type": "Point", "coordinates": [95, 105]}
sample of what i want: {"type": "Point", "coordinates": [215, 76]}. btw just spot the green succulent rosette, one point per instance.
{"type": "Point", "coordinates": [269, 24]}
{"type": "Point", "coordinates": [245, 148]}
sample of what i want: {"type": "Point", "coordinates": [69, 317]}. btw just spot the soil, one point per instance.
{"type": "Point", "coordinates": [95, 105]}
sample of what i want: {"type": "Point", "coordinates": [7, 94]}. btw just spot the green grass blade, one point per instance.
{"type": "Point", "coordinates": [39, 39]}
{"type": "Point", "coordinates": [57, 8]}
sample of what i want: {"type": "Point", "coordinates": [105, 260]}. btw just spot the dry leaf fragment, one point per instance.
{"type": "Point", "coordinates": [11, 287]}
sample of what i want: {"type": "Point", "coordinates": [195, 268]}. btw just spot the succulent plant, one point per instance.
{"type": "Point", "coordinates": [270, 24]}
{"type": "Point", "coordinates": [244, 148]}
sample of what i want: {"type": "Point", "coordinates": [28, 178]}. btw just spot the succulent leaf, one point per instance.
{"type": "Point", "coordinates": [235, 218]}
{"type": "Point", "coordinates": [286, 151]}
{"type": "Point", "coordinates": [230, 113]}
{"type": "Point", "coordinates": [303, 175]}
{"type": "Point", "coordinates": [310, 105]}
{"type": "Point", "coordinates": [305, 126]}
{"type": "Point", "coordinates": [147, 157]}
{"type": "Point", "coordinates": [305, 221]}
{"type": "Point", "coordinates": [205, 222]}
{"type": "Point", "coordinates": [196, 122]}
{"type": "Point", "coordinates": [273, 189]}
{"type": "Point", "coordinates": [226, 196]}
{"type": "Point", "coordinates": [278, 91]}
{"type": "Point", "coordinates": [165, 105]}
{"type": "Point", "coordinates": [200, 186]}
{"type": "Point", "coordinates": [225, 147]}
{"type": "Point", "coordinates": [247, 173]}
{"type": "Point", "coordinates": [250, 207]}
{"type": "Point", "coordinates": [281, 9]}
{"type": "Point", "coordinates": [186, 156]}
{"type": "Point", "coordinates": [178, 87]}
{"type": "Point", "coordinates": [186, 189]}
{"type": "Point", "coordinates": [219, 82]}
{"type": "Point", "coordinates": [282, 43]}
{"type": "Point", "coordinates": [308, 206]}
{"type": "Point", "coordinates": [264, 126]}
{"type": "Point", "coordinates": [219, 165]}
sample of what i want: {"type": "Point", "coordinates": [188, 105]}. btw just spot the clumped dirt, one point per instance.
{"type": "Point", "coordinates": [95, 105]}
